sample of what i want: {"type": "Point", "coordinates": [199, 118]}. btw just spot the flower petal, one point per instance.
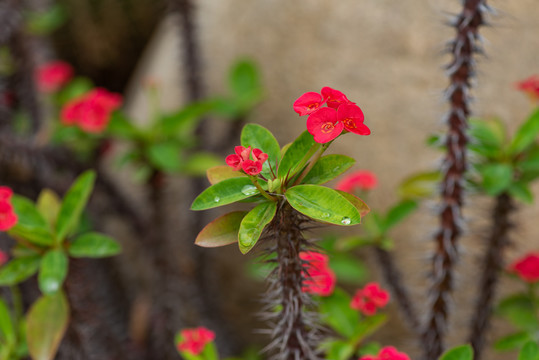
{"type": "Point", "coordinates": [308, 103]}
{"type": "Point", "coordinates": [323, 125]}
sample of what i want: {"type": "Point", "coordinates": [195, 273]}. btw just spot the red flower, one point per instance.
{"type": "Point", "coordinates": [324, 125]}
{"type": "Point", "coordinates": [53, 75]}
{"type": "Point", "coordinates": [91, 112]}
{"type": "Point", "coordinates": [194, 340]}
{"type": "Point", "coordinates": [530, 86]}
{"type": "Point", "coordinates": [361, 179]}
{"type": "Point", "coordinates": [3, 258]}
{"type": "Point", "coordinates": [241, 160]}
{"type": "Point", "coordinates": [369, 299]}
{"type": "Point", "coordinates": [527, 267]}
{"type": "Point", "coordinates": [387, 353]}
{"type": "Point", "coordinates": [352, 118]}
{"type": "Point", "coordinates": [334, 98]}
{"type": "Point", "coordinates": [308, 103]}
{"type": "Point", "coordinates": [8, 218]}
{"type": "Point", "coordinates": [320, 279]}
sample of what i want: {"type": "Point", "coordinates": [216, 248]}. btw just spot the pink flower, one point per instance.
{"type": "Point", "coordinates": [8, 218]}
{"type": "Point", "coordinates": [369, 299]}
{"type": "Point", "coordinates": [241, 160]}
{"type": "Point", "coordinates": [3, 258]}
{"type": "Point", "coordinates": [324, 125]}
{"type": "Point", "coordinates": [91, 112]}
{"type": "Point", "coordinates": [361, 179]}
{"type": "Point", "coordinates": [527, 267]}
{"type": "Point", "coordinates": [320, 279]}
{"type": "Point", "coordinates": [387, 353]}
{"type": "Point", "coordinates": [193, 341]}
{"type": "Point", "coordinates": [352, 118]}
{"type": "Point", "coordinates": [530, 86]}
{"type": "Point", "coordinates": [334, 98]}
{"type": "Point", "coordinates": [53, 75]}
{"type": "Point", "coordinates": [308, 103]}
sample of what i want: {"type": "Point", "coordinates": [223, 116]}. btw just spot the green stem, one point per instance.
{"type": "Point", "coordinates": [312, 163]}
{"type": "Point", "coordinates": [262, 191]}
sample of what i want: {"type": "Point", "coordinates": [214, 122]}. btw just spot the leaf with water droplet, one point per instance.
{"type": "Point", "coordinates": [227, 191]}
{"type": "Point", "coordinates": [249, 190]}
{"type": "Point", "coordinates": [253, 224]}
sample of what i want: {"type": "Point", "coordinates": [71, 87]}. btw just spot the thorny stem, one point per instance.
{"type": "Point", "coordinates": [492, 264]}
{"type": "Point", "coordinates": [460, 70]}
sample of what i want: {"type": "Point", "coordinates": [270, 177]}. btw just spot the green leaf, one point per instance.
{"type": "Point", "coordinates": [45, 22]}
{"type": "Point", "coordinates": [18, 270]}
{"type": "Point", "coordinates": [526, 134]}
{"type": "Point", "coordinates": [30, 225]}
{"type": "Point", "coordinates": [420, 185]}
{"type": "Point", "coordinates": [225, 192]}
{"type": "Point", "coordinates": [521, 191]}
{"type": "Point", "coordinates": [253, 224]}
{"type": "Point", "coordinates": [328, 168]}
{"type": "Point", "coordinates": [198, 163]}
{"type": "Point", "coordinates": [121, 127]}
{"type": "Point", "coordinates": [496, 178]}
{"type": "Point", "coordinates": [221, 231]}
{"type": "Point", "coordinates": [348, 268]}
{"type": "Point", "coordinates": [76, 87]}
{"type": "Point", "coordinates": [222, 172]}
{"type": "Point", "coordinates": [244, 81]}
{"type": "Point", "coordinates": [512, 341]}
{"type": "Point", "coordinates": [183, 122]}
{"type": "Point", "coordinates": [356, 201]}
{"type": "Point", "coordinates": [165, 156]}
{"type": "Point", "coordinates": [297, 152]}
{"type": "Point", "coordinates": [519, 310]}
{"type": "Point", "coordinates": [94, 245]}
{"type": "Point", "coordinates": [73, 204]}
{"type": "Point", "coordinates": [48, 204]}
{"type": "Point", "coordinates": [261, 138]}
{"type": "Point", "coordinates": [335, 311]}
{"type": "Point", "coordinates": [52, 271]}
{"type": "Point", "coordinates": [530, 163]}
{"type": "Point", "coordinates": [369, 325]}
{"type": "Point", "coordinates": [338, 349]}
{"type": "Point", "coordinates": [7, 329]}
{"type": "Point", "coordinates": [530, 351]}
{"type": "Point", "coordinates": [399, 212]}
{"type": "Point", "coordinates": [46, 324]}
{"type": "Point", "coordinates": [323, 204]}
{"type": "Point", "coordinates": [463, 352]}
{"type": "Point", "coordinates": [487, 137]}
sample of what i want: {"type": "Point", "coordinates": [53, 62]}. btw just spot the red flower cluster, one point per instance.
{"type": "Point", "coordinates": [241, 160]}
{"type": "Point", "coordinates": [193, 341]}
{"type": "Point", "coordinates": [530, 86]}
{"type": "Point", "coordinates": [362, 180]}
{"type": "Point", "coordinates": [527, 267]}
{"type": "Point", "coordinates": [3, 258]}
{"type": "Point", "coordinates": [91, 112]}
{"type": "Point", "coordinates": [53, 75]}
{"type": "Point", "coordinates": [369, 299]}
{"type": "Point", "coordinates": [326, 123]}
{"type": "Point", "coordinates": [387, 353]}
{"type": "Point", "coordinates": [8, 218]}
{"type": "Point", "coordinates": [320, 279]}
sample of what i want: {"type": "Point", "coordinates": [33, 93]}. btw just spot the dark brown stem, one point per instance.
{"type": "Point", "coordinates": [398, 289]}
{"type": "Point", "coordinates": [460, 70]}
{"type": "Point", "coordinates": [294, 329]}
{"type": "Point", "coordinates": [492, 264]}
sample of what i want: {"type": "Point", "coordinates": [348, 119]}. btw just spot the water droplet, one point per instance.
{"type": "Point", "coordinates": [249, 190]}
{"type": "Point", "coordinates": [217, 199]}
{"type": "Point", "coordinates": [325, 215]}
{"type": "Point", "coordinates": [346, 221]}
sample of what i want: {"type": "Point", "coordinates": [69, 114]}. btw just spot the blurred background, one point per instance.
{"type": "Point", "coordinates": [385, 55]}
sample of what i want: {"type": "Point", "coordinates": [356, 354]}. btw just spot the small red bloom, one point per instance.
{"type": "Point", "coordinates": [530, 86]}
{"type": "Point", "coordinates": [251, 167]}
{"type": "Point", "coordinates": [369, 299]}
{"type": "Point", "coordinates": [53, 75]}
{"type": "Point", "coordinates": [5, 193]}
{"type": "Point", "coordinates": [324, 125]}
{"type": "Point", "coordinates": [308, 103]}
{"type": "Point", "coordinates": [3, 258]}
{"type": "Point", "coordinates": [527, 267]}
{"type": "Point", "coordinates": [194, 340]}
{"type": "Point", "coordinates": [320, 279]}
{"type": "Point", "coordinates": [387, 353]}
{"type": "Point", "coordinates": [352, 118]}
{"type": "Point", "coordinates": [334, 98]}
{"type": "Point", "coordinates": [258, 155]}
{"type": "Point", "coordinates": [361, 179]}
{"type": "Point", "coordinates": [241, 160]}
{"type": "Point", "coordinates": [8, 218]}
{"type": "Point", "coordinates": [91, 112]}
